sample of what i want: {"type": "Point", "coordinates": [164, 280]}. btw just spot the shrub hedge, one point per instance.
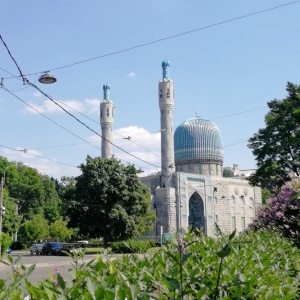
{"type": "Point", "coordinates": [253, 265]}
{"type": "Point", "coordinates": [130, 246]}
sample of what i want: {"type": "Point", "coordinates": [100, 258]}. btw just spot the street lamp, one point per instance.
{"type": "Point", "coordinates": [47, 78]}
{"type": "Point", "coordinates": [1, 204]}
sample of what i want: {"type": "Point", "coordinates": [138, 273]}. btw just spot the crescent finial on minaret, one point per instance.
{"type": "Point", "coordinates": [165, 66]}
{"type": "Point", "coordinates": [106, 89]}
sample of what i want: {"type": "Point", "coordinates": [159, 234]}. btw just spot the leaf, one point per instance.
{"type": "Point", "coordinates": [173, 281]}
{"type": "Point", "coordinates": [231, 236]}
{"type": "Point", "coordinates": [225, 252]}
{"type": "Point", "coordinates": [218, 229]}
{"type": "Point", "coordinates": [61, 281]}
{"type": "Point", "coordinates": [296, 110]}
{"type": "Point", "coordinates": [30, 270]}
{"type": "Point", "coordinates": [185, 256]}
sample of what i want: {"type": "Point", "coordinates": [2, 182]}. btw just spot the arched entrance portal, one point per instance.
{"type": "Point", "coordinates": [196, 212]}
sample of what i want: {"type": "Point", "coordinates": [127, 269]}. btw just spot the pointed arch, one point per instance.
{"type": "Point", "coordinates": [196, 212]}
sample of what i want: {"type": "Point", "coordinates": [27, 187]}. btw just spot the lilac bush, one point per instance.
{"type": "Point", "coordinates": [282, 212]}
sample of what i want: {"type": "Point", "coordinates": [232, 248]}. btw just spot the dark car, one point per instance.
{"type": "Point", "coordinates": [53, 248]}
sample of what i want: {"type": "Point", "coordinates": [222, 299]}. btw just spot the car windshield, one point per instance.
{"type": "Point", "coordinates": [57, 245]}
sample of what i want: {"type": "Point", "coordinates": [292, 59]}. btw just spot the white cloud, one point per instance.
{"type": "Point", "coordinates": [93, 105]}
{"type": "Point", "coordinates": [131, 75]}
{"type": "Point", "coordinates": [142, 144]}
{"type": "Point", "coordinates": [88, 105]}
{"type": "Point", "coordinates": [37, 94]}
{"type": "Point", "coordinates": [46, 166]}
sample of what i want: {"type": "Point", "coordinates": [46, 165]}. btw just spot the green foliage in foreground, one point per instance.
{"type": "Point", "coordinates": [258, 265]}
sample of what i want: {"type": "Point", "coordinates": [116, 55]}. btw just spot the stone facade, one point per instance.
{"type": "Point", "coordinates": [230, 202]}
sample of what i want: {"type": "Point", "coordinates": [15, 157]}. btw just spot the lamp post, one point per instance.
{"type": "Point", "coordinates": [1, 205]}
{"type": "Point", "coordinates": [47, 78]}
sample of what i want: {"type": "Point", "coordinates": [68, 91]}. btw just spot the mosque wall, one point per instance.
{"type": "Point", "coordinates": [201, 168]}
{"type": "Point", "coordinates": [236, 203]}
{"type": "Point", "coordinates": [165, 203]}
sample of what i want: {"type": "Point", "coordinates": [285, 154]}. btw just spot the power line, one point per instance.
{"type": "Point", "coordinates": [48, 118]}
{"type": "Point", "coordinates": [167, 38]}
{"type": "Point", "coordinates": [39, 156]}
{"type": "Point", "coordinates": [26, 81]}
{"type": "Point", "coordinates": [239, 113]}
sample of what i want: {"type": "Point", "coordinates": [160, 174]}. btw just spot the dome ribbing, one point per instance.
{"type": "Point", "coordinates": [198, 141]}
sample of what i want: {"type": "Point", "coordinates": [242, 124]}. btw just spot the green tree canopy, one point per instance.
{"type": "Point", "coordinates": [36, 228]}
{"type": "Point", "coordinates": [276, 147]}
{"type": "Point", "coordinates": [59, 230]}
{"type": "Point", "coordinates": [111, 202]}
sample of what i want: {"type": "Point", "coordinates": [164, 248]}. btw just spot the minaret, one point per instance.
{"type": "Point", "coordinates": [106, 121]}
{"type": "Point", "coordinates": [166, 104]}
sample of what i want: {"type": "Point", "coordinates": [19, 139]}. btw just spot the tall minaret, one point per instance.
{"type": "Point", "coordinates": [106, 121]}
{"type": "Point", "coordinates": [166, 104]}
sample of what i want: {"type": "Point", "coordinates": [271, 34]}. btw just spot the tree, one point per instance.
{"type": "Point", "coordinates": [11, 219]}
{"type": "Point", "coordinates": [276, 147]}
{"type": "Point", "coordinates": [265, 195]}
{"type": "Point", "coordinates": [51, 201]}
{"type": "Point", "coordinates": [60, 231]}
{"type": "Point", "coordinates": [66, 191]}
{"type": "Point", "coordinates": [228, 172]}
{"type": "Point", "coordinates": [5, 242]}
{"type": "Point", "coordinates": [36, 228]}
{"type": "Point", "coordinates": [111, 202]}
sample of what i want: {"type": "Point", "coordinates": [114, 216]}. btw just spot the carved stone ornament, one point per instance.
{"type": "Point", "coordinates": [236, 191]}
{"type": "Point", "coordinates": [246, 191]}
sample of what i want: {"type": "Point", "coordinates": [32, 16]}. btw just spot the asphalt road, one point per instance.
{"type": "Point", "coordinates": [44, 265]}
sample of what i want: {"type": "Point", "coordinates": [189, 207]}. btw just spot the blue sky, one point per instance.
{"type": "Point", "coordinates": [222, 71]}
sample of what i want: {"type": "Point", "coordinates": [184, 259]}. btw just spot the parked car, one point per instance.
{"type": "Point", "coordinates": [70, 249]}
{"type": "Point", "coordinates": [36, 248]}
{"type": "Point", "coordinates": [53, 248]}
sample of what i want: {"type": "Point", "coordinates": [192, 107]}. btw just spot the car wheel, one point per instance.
{"type": "Point", "coordinates": [31, 252]}
{"type": "Point", "coordinates": [37, 252]}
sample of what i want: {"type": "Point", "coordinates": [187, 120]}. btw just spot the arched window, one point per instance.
{"type": "Point", "coordinates": [168, 93]}
{"type": "Point", "coordinates": [196, 212]}
{"type": "Point", "coordinates": [107, 112]}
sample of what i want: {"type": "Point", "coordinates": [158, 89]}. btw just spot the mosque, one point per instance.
{"type": "Point", "coordinates": [190, 190]}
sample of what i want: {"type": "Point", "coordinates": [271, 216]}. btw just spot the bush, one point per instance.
{"type": "Point", "coordinates": [282, 213]}
{"type": "Point", "coordinates": [130, 246]}
{"type": "Point", "coordinates": [254, 265]}
{"type": "Point", "coordinates": [17, 246]}
{"type": "Point", "coordinates": [5, 242]}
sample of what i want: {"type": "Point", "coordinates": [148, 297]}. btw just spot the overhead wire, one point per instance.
{"type": "Point", "coordinates": [39, 156]}
{"type": "Point", "coordinates": [123, 137]}
{"type": "Point", "coordinates": [168, 37]}
{"type": "Point", "coordinates": [26, 81]}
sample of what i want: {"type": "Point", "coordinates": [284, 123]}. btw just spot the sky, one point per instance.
{"type": "Point", "coordinates": [228, 59]}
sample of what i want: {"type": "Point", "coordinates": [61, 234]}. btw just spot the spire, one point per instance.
{"type": "Point", "coordinates": [165, 66]}
{"type": "Point", "coordinates": [106, 89]}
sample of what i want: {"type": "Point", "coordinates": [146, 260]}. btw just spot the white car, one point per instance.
{"type": "Point", "coordinates": [36, 248]}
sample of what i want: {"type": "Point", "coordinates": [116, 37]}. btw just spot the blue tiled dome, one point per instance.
{"type": "Point", "coordinates": [198, 141]}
